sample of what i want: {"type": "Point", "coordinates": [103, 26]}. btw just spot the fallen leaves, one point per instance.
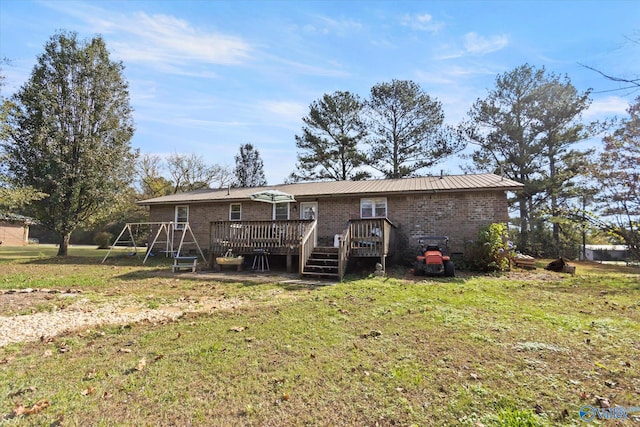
{"type": "Point", "coordinates": [39, 406]}
{"type": "Point", "coordinates": [142, 363]}
{"type": "Point", "coordinates": [87, 391]}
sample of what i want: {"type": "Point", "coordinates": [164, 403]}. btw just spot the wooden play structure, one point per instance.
{"type": "Point", "coordinates": [168, 238]}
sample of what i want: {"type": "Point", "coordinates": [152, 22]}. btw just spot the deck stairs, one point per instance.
{"type": "Point", "coordinates": [322, 263]}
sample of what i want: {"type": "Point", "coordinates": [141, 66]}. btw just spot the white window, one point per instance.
{"type": "Point", "coordinates": [235, 212]}
{"type": "Point", "coordinates": [281, 211]}
{"type": "Point", "coordinates": [373, 208]}
{"type": "Point", "coordinates": [182, 216]}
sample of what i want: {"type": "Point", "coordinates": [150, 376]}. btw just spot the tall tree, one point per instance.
{"type": "Point", "coordinates": [249, 167]}
{"type": "Point", "coordinates": [526, 127]}
{"type": "Point", "coordinates": [560, 107]}
{"type": "Point", "coordinates": [151, 181]}
{"type": "Point", "coordinates": [329, 144]}
{"type": "Point", "coordinates": [189, 172]}
{"type": "Point", "coordinates": [69, 134]}
{"type": "Point", "coordinates": [618, 173]}
{"type": "Point", "coordinates": [12, 197]}
{"type": "Point", "coordinates": [406, 130]}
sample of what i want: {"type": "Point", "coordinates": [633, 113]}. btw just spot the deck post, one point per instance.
{"type": "Point", "coordinates": [289, 263]}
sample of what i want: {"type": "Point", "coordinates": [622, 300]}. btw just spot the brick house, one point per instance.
{"type": "Point", "coordinates": [14, 230]}
{"type": "Point", "coordinates": [358, 219]}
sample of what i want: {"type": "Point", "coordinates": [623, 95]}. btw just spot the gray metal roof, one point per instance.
{"type": "Point", "coordinates": [429, 184]}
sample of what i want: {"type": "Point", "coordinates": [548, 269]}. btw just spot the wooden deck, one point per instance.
{"type": "Point", "coordinates": [361, 238]}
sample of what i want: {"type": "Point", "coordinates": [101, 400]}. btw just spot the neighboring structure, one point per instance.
{"type": "Point", "coordinates": [14, 230]}
{"type": "Point", "coordinates": [358, 218]}
{"type": "Point", "coordinates": [607, 252]}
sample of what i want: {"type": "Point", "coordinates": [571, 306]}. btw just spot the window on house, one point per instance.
{"type": "Point", "coordinates": [182, 216]}
{"type": "Point", "coordinates": [281, 211]}
{"type": "Point", "coordinates": [373, 208]}
{"type": "Point", "coordinates": [235, 212]}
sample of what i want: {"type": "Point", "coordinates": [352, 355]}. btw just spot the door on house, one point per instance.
{"type": "Point", "coordinates": [309, 210]}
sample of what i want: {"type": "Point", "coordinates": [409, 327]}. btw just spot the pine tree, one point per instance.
{"type": "Point", "coordinates": [249, 167]}
{"type": "Point", "coordinates": [526, 127]}
{"type": "Point", "coordinates": [328, 148]}
{"type": "Point", "coordinates": [407, 133]}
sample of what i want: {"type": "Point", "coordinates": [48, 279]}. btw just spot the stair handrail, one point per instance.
{"type": "Point", "coordinates": [307, 244]}
{"type": "Point", "coordinates": [344, 245]}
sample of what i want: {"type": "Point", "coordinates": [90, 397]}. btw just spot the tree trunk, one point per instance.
{"type": "Point", "coordinates": [554, 201]}
{"type": "Point", "coordinates": [524, 223]}
{"type": "Point", "coordinates": [64, 244]}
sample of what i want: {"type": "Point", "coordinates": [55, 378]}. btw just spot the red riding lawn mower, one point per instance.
{"type": "Point", "coordinates": [433, 258]}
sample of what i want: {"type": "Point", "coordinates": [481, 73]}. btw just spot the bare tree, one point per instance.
{"type": "Point", "coordinates": [189, 172]}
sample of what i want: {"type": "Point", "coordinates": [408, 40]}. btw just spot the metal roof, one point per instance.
{"type": "Point", "coordinates": [428, 184]}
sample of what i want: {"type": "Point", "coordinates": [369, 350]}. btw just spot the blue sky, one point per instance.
{"type": "Point", "coordinates": [208, 76]}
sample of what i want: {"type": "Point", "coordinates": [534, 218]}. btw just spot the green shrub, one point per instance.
{"type": "Point", "coordinates": [492, 251]}
{"type": "Point", "coordinates": [103, 239]}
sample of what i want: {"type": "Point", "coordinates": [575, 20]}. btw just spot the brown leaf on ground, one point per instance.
{"type": "Point", "coordinates": [141, 364]}
{"type": "Point", "coordinates": [237, 329]}
{"type": "Point", "coordinates": [88, 391]}
{"type": "Point", "coordinates": [39, 406]}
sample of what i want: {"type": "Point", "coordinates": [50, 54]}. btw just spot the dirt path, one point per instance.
{"type": "Point", "coordinates": [81, 313]}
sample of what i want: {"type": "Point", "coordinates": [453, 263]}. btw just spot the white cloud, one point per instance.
{"type": "Point", "coordinates": [165, 39]}
{"type": "Point", "coordinates": [285, 110]}
{"type": "Point", "coordinates": [607, 107]}
{"type": "Point", "coordinates": [325, 25]}
{"type": "Point", "coordinates": [337, 26]}
{"type": "Point", "coordinates": [169, 43]}
{"type": "Point", "coordinates": [422, 22]}
{"type": "Point", "coordinates": [477, 44]}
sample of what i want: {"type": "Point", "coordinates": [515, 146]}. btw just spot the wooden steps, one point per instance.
{"type": "Point", "coordinates": [322, 263]}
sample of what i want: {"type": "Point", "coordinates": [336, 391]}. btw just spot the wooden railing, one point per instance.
{"type": "Point", "coordinates": [307, 243]}
{"type": "Point", "coordinates": [370, 237]}
{"type": "Point", "coordinates": [344, 245]}
{"type": "Point", "coordinates": [243, 237]}
{"type": "Point", "coordinates": [362, 238]}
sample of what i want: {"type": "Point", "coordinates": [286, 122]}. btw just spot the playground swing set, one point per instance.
{"type": "Point", "coordinates": [134, 236]}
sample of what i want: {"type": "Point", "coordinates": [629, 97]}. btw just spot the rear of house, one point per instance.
{"type": "Point", "coordinates": [355, 219]}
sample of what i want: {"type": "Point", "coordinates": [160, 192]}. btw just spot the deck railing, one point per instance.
{"type": "Point", "coordinates": [344, 246]}
{"type": "Point", "coordinates": [362, 238]}
{"type": "Point", "coordinates": [243, 237]}
{"type": "Point", "coordinates": [307, 243]}
{"type": "Point", "coordinates": [370, 238]}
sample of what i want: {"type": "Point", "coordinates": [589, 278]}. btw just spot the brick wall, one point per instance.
{"type": "Point", "coordinates": [13, 234]}
{"type": "Point", "coordinates": [456, 215]}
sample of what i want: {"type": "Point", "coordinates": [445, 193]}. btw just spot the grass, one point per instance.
{"type": "Point", "coordinates": [522, 349]}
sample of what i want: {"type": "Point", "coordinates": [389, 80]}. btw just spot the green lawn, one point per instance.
{"type": "Point", "coordinates": [521, 349]}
